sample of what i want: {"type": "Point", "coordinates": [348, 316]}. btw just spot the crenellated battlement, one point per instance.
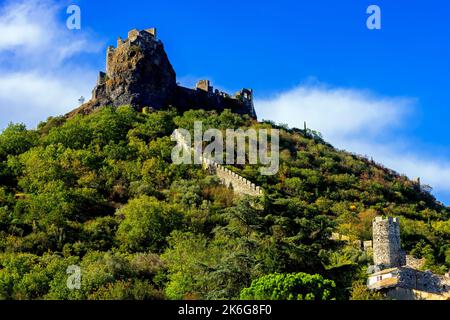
{"type": "Point", "coordinates": [245, 96]}
{"type": "Point", "coordinates": [229, 178]}
{"type": "Point", "coordinates": [238, 183]}
{"type": "Point", "coordinates": [387, 219]}
{"type": "Point", "coordinates": [387, 251]}
{"type": "Point", "coordinates": [135, 38]}
{"type": "Point", "coordinates": [139, 73]}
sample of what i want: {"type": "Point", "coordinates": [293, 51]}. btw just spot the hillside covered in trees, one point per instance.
{"type": "Point", "coordinates": [101, 192]}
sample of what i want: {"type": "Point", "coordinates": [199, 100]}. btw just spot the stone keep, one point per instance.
{"type": "Point", "coordinates": [387, 252]}
{"type": "Point", "coordinates": [139, 73]}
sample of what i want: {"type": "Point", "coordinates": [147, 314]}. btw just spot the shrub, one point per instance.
{"type": "Point", "coordinates": [146, 223]}
{"type": "Point", "coordinates": [291, 286]}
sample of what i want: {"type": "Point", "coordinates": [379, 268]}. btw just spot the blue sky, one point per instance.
{"type": "Point", "coordinates": [383, 93]}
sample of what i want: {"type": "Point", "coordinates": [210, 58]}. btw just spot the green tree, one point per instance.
{"type": "Point", "coordinates": [146, 223]}
{"type": "Point", "coordinates": [292, 286]}
{"type": "Point", "coordinates": [16, 139]}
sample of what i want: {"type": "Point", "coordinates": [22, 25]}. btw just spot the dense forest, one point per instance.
{"type": "Point", "coordinates": [100, 192]}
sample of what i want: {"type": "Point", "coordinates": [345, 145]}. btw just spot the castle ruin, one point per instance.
{"type": "Point", "coordinates": [387, 251]}
{"type": "Point", "coordinates": [392, 274]}
{"type": "Point", "coordinates": [139, 73]}
{"type": "Point", "coordinates": [239, 184]}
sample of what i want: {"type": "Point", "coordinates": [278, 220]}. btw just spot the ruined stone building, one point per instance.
{"type": "Point", "coordinates": [139, 73]}
{"type": "Point", "coordinates": [387, 252]}
{"type": "Point", "coordinates": [391, 273]}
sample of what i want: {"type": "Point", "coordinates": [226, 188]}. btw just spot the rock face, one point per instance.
{"type": "Point", "coordinates": [139, 73]}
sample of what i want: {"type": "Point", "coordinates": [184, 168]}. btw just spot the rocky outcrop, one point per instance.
{"type": "Point", "coordinates": [139, 73]}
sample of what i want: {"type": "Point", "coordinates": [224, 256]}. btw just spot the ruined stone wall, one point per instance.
{"type": "Point", "coordinates": [420, 280]}
{"type": "Point", "coordinates": [186, 99]}
{"type": "Point", "coordinates": [139, 73]}
{"type": "Point", "coordinates": [239, 184]}
{"type": "Point", "coordinates": [413, 294]}
{"type": "Point", "coordinates": [387, 252]}
{"type": "Point", "coordinates": [204, 85]}
{"type": "Point", "coordinates": [414, 263]}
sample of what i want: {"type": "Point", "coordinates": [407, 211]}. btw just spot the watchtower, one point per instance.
{"type": "Point", "coordinates": [387, 251]}
{"type": "Point", "coordinates": [204, 85]}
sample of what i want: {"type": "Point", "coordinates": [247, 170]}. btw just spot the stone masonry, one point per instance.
{"type": "Point", "coordinates": [139, 73]}
{"type": "Point", "coordinates": [387, 252]}
{"type": "Point", "coordinates": [395, 274]}
{"type": "Point", "coordinates": [239, 184]}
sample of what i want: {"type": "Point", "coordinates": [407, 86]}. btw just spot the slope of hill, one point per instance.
{"type": "Point", "coordinates": [100, 192]}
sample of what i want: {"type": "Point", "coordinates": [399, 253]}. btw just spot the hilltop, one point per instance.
{"type": "Point", "coordinates": [96, 192]}
{"type": "Point", "coordinates": [100, 191]}
{"type": "Point", "coordinates": [139, 74]}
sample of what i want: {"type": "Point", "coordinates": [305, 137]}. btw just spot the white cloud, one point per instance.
{"type": "Point", "coordinates": [31, 97]}
{"type": "Point", "coordinates": [336, 112]}
{"type": "Point", "coordinates": [30, 29]}
{"type": "Point", "coordinates": [360, 122]}
{"type": "Point", "coordinates": [39, 74]}
{"type": "Point", "coordinates": [17, 27]}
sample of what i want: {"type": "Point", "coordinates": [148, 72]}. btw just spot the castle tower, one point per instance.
{"type": "Point", "coordinates": [109, 55]}
{"type": "Point", "coordinates": [246, 96]}
{"type": "Point", "coordinates": [151, 31]}
{"type": "Point", "coordinates": [139, 74]}
{"type": "Point", "coordinates": [387, 252]}
{"type": "Point", "coordinates": [204, 85]}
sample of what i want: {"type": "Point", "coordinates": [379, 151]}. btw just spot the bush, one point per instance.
{"type": "Point", "coordinates": [360, 292]}
{"type": "Point", "coordinates": [146, 223]}
{"type": "Point", "coordinates": [292, 286]}
{"type": "Point", "coordinates": [127, 290]}
{"type": "Point", "coordinates": [16, 139]}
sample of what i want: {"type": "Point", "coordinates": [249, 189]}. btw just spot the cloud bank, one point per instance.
{"type": "Point", "coordinates": [360, 122]}
{"type": "Point", "coordinates": [336, 112]}
{"type": "Point", "coordinates": [40, 77]}
{"type": "Point", "coordinates": [38, 55]}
